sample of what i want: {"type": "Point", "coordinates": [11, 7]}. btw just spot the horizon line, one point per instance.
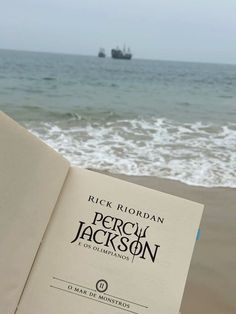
{"type": "Point", "coordinates": [139, 58]}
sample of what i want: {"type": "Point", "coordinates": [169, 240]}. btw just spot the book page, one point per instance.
{"type": "Point", "coordinates": [31, 177]}
{"type": "Point", "coordinates": [112, 247]}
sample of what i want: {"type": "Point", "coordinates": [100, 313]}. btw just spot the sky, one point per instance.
{"type": "Point", "coordinates": [183, 30]}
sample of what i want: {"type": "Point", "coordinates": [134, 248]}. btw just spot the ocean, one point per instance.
{"type": "Point", "coordinates": [141, 117]}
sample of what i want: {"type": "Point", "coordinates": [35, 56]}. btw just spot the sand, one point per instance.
{"type": "Point", "coordinates": [211, 282]}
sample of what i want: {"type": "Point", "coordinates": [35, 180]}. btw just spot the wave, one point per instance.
{"type": "Point", "coordinates": [197, 153]}
{"type": "Point", "coordinates": [83, 113]}
{"type": "Point", "coordinates": [49, 78]}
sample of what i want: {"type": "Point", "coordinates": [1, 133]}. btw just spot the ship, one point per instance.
{"type": "Point", "coordinates": [121, 54]}
{"type": "Point", "coordinates": [101, 53]}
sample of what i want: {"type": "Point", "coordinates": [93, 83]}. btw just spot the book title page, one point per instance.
{"type": "Point", "coordinates": [112, 247]}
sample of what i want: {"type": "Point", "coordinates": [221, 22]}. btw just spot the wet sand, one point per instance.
{"type": "Point", "coordinates": [211, 283]}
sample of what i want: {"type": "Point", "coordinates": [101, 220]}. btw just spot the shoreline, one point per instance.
{"type": "Point", "coordinates": [210, 286]}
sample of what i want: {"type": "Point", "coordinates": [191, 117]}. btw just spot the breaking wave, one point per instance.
{"type": "Point", "coordinates": [194, 153]}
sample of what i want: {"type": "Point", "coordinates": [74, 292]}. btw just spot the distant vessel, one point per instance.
{"type": "Point", "coordinates": [121, 54]}
{"type": "Point", "coordinates": [101, 53]}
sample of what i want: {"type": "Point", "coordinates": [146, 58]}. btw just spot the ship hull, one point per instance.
{"type": "Point", "coordinates": [118, 54]}
{"type": "Point", "coordinates": [101, 55]}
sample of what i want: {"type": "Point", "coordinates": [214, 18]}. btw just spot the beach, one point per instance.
{"type": "Point", "coordinates": [211, 281]}
{"type": "Point", "coordinates": [166, 125]}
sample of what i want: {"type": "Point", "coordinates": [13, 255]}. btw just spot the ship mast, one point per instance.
{"type": "Point", "coordinates": [124, 49]}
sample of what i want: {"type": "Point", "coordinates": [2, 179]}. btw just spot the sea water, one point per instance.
{"type": "Point", "coordinates": [140, 117]}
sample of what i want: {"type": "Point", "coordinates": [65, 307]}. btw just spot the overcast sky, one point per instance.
{"type": "Point", "coordinates": [189, 30]}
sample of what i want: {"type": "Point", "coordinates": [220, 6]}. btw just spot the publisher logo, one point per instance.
{"type": "Point", "coordinates": [101, 285]}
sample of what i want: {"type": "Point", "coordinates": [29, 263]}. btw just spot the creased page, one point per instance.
{"type": "Point", "coordinates": [31, 177]}
{"type": "Point", "coordinates": [112, 247]}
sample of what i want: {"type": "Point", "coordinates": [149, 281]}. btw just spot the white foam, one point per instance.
{"type": "Point", "coordinates": [197, 154]}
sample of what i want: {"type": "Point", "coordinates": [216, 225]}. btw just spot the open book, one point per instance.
{"type": "Point", "coordinates": [76, 241]}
